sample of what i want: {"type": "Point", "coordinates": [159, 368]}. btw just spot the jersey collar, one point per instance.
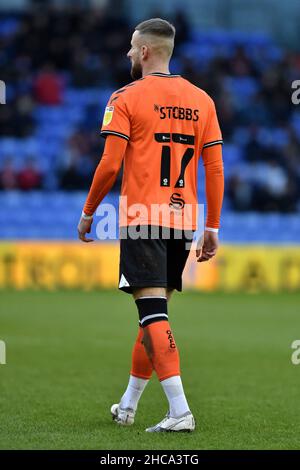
{"type": "Point", "coordinates": [159, 74]}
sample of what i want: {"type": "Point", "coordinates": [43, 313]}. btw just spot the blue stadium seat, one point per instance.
{"type": "Point", "coordinates": [243, 88]}
{"type": "Point", "coordinates": [8, 146]}
{"type": "Point", "coordinates": [9, 26]}
{"type": "Point", "coordinates": [231, 154]}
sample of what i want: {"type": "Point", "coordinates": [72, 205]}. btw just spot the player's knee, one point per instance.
{"type": "Point", "coordinates": [169, 293]}
{"type": "Point", "coordinates": [149, 292]}
{"type": "Point", "coordinates": [152, 309]}
{"type": "Point", "coordinates": [158, 338]}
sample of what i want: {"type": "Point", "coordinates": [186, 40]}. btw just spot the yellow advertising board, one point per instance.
{"type": "Point", "coordinates": [250, 268]}
{"type": "Point", "coordinates": [58, 265]}
{"type": "Point", "coordinates": [74, 265]}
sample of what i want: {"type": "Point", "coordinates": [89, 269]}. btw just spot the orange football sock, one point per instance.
{"type": "Point", "coordinates": [163, 350]}
{"type": "Point", "coordinates": [141, 364]}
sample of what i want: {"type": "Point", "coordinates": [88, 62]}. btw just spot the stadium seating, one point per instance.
{"type": "Point", "coordinates": [54, 215]}
{"type": "Point", "coordinates": [55, 125]}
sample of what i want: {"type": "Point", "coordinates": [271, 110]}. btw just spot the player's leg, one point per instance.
{"type": "Point", "coordinates": [163, 353]}
{"type": "Point", "coordinates": [140, 373]}
{"type": "Point", "coordinates": [144, 263]}
{"type": "Point", "coordinates": [132, 272]}
{"type": "Point", "coordinates": [177, 254]}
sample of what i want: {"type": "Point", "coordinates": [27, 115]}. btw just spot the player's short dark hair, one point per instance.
{"type": "Point", "coordinates": [157, 27]}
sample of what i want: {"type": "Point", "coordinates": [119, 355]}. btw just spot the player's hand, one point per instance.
{"type": "Point", "coordinates": [83, 228]}
{"type": "Point", "coordinates": [207, 246]}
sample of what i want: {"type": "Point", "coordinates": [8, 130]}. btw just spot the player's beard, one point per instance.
{"type": "Point", "coordinates": [136, 71]}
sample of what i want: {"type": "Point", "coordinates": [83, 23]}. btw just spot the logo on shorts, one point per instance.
{"type": "Point", "coordinates": [109, 110]}
{"type": "Point", "coordinates": [177, 202]}
{"type": "Point", "coordinates": [171, 339]}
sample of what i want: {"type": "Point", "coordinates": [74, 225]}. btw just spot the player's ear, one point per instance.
{"type": "Point", "coordinates": [145, 52]}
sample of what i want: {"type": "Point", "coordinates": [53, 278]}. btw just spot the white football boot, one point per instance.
{"type": "Point", "coordinates": [125, 417]}
{"type": "Point", "coordinates": [186, 423]}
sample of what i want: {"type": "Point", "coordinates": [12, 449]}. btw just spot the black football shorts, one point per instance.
{"type": "Point", "coordinates": [154, 257]}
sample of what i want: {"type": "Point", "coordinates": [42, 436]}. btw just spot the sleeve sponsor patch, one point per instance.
{"type": "Point", "coordinates": [109, 110]}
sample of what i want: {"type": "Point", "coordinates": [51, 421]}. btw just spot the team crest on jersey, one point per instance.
{"type": "Point", "coordinates": [109, 110]}
{"type": "Point", "coordinates": [176, 201]}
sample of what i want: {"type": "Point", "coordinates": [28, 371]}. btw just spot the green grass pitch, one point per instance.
{"type": "Point", "coordinates": [68, 358]}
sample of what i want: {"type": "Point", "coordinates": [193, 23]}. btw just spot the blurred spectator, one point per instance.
{"type": "Point", "coordinates": [48, 86]}
{"type": "Point", "coordinates": [182, 26]}
{"type": "Point", "coordinates": [240, 193]}
{"type": "Point", "coordinates": [70, 178]}
{"type": "Point", "coordinates": [77, 164]}
{"type": "Point", "coordinates": [30, 177]}
{"type": "Point", "coordinates": [276, 180]}
{"type": "Point", "coordinates": [263, 187]}
{"type": "Point", "coordinates": [16, 117]}
{"type": "Point", "coordinates": [8, 175]}
{"type": "Point", "coordinates": [254, 151]}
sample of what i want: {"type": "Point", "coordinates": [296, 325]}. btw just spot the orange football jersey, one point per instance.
{"type": "Point", "coordinates": [167, 122]}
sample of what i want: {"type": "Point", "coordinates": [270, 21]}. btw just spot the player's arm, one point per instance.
{"type": "Point", "coordinates": [104, 178]}
{"type": "Point", "coordinates": [214, 183]}
{"type": "Point", "coordinates": [214, 186]}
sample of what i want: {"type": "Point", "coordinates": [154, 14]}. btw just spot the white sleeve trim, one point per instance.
{"type": "Point", "coordinates": [124, 136]}
{"type": "Point", "coordinates": [210, 144]}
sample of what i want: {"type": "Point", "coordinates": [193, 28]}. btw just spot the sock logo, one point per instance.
{"type": "Point", "coordinates": [171, 339]}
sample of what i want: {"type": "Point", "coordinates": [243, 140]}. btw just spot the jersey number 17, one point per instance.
{"type": "Point", "coordinates": [165, 167]}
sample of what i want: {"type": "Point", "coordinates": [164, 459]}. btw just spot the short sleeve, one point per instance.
{"type": "Point", "coordinates": [212, 135]}
{"type": "Point", "coordinates": [116, 120]}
